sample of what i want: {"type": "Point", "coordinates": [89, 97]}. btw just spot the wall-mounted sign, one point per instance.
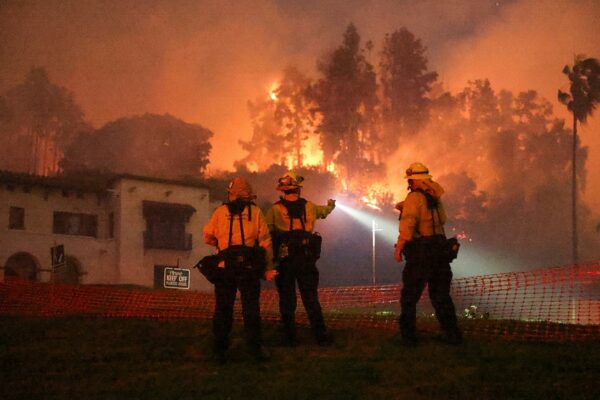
{"type": "Point", "coordinates": [176, 278]}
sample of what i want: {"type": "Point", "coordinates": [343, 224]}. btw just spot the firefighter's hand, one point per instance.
{"type": "Point", "coordinates": [210, 240]}
{"type": "Point", "coordinates": [331, 203]}
{"type": "Point", "coordinates": [398, 253]}
{"type": "Point", "coordinates": [270, 274]}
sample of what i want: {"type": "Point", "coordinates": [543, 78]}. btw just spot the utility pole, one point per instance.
{"type": "Point", "coordinates": [373, 230]}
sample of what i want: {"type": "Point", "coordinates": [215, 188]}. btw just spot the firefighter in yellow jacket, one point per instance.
{"type": "Point", "coordinates": [421, 239]}
{"type": "Point", "coordinates": [238, 230]}
{"type": "Point", "coordinates": [291, 221]}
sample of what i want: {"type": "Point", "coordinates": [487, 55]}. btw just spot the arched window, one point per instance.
{"type": "Point", "coordinates": [21, 265]}
{"type": "Point", "coordinates": [69, 272]}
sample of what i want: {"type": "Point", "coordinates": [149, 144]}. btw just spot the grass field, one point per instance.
{"type": "Point", "coordinates": [98, 358]}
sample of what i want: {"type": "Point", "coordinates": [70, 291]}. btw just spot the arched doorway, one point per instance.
{"type": "Point", "coordinates": [69, 273]}
{"type": "Point", "coordinates": [21, 265]}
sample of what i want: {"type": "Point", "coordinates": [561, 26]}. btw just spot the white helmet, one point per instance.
{"type": "Point", "coordinates": [417, 170]}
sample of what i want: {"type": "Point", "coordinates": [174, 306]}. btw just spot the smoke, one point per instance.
{"type": "Point", "coordinates": [525, 48]}
{"type": "Point", "coordinates": [201, 61]}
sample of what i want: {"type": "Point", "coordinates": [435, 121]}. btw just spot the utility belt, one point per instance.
{"type": "Point", "coordinates": [423, 246]}
{"type": "Point", "coordinates": [296, 244]}
{"type": "Point", "coordinates": [437, 246]}
{"type": "Point", "coordinates": [240, 258]}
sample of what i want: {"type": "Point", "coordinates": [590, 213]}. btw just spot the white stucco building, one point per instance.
{"type": "Point", "coordinates": [115, 229]}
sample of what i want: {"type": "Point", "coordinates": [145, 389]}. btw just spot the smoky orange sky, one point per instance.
{"type": "Point", "coordinates": [201, 61]}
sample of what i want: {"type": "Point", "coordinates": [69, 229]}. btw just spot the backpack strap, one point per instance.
{"type": "Point", "coordinates": [292, 208]}
{"type": "Point", "coordinates": [231, 215]}
{"type": "Point", "coordinates": [433, 204]}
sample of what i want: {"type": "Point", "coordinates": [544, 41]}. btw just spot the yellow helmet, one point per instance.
{"type": "Point", "coordinates": [289, 181]}
{"type": "Point", "coordinates": [417, 170]}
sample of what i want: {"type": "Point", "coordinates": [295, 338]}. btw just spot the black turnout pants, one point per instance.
{"type": "Point", "coordinates": [248, 284]}
{"type": "Point", "coordinates": [304, 271]}
{"type": "Point", "coordinates": [426, 268]}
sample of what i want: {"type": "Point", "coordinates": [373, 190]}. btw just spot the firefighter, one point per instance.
{"type": "Point", "coordinates": [291, 221]}
{"type": "Point", "coordinates": [238, 230]}
{"type": "Point", "coordinates": [421, 239]}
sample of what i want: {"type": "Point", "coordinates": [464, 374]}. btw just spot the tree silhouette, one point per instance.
{"type": "Point", "coordinates": [346, 99]}
{"type": "Point", "coordinates": [583, 96]}
{"type": "Point", "coordinates": [405, 84]}
{"type": "Point", "coordinates": [38, 120]}
{"type": "Point", "coordinates": [150, 144]}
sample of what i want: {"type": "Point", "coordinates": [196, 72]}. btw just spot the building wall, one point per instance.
{"type": "Point", "coordinates": [121, 259]}
{"type": "Point", "coordinates": [96, 256]}
{"type": "Point", "coordinates": [130, 226]}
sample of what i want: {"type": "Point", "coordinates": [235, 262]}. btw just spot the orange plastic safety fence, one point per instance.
{"type": "Point", "coordinates": [561, 303]}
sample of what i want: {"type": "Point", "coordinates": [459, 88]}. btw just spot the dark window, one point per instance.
{"type": "Point", "coordinates": [75, 224]}
{"type": "Point", "coordinates": [16, 218]}
{"type": "Point", "coordinates": [165, 226]}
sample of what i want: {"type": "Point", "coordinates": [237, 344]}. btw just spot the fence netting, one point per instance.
{"type": "Point", "coordinates": [559, 303]}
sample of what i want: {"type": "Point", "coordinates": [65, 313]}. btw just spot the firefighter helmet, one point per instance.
{"type": "Point", "coordinates": [289, 181]}
{"type": "Point", "coordinates": [417, 170]}
{"type": "Point", "coordinates": [239, 188]}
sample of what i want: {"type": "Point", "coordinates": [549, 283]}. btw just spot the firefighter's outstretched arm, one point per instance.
{"type": "Point", "coordinates": [323, 211]}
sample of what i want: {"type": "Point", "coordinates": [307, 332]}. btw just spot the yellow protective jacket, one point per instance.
{"type": "Point", "coordinates": [416, 219]}
{"type": "Point", "coordinates": [278, 218]}
{"type": "Point", "coordinates": [216, 231]}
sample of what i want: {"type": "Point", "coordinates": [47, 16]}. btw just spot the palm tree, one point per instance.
{"type": "Point", "coordinates": [584, 95]}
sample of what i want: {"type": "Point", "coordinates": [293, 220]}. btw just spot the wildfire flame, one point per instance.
{"type": "Point", "coordinates": [273, 91]}
{"type": "Point", "coordinates": [370, 203]}
{"type": "Point", "coordinates": [373, 195]}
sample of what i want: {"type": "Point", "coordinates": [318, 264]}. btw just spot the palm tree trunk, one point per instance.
{"type": "Point", "coordinates": [574, 191]}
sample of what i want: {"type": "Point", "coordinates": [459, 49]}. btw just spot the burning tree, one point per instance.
{"type": "Point", "coordinates": [346, 101]}
{"type": "Point", "coordinates": [283, 126]}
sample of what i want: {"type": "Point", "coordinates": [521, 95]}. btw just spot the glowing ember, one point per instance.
{"type": "Point", "coordinates": [462, 235]}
